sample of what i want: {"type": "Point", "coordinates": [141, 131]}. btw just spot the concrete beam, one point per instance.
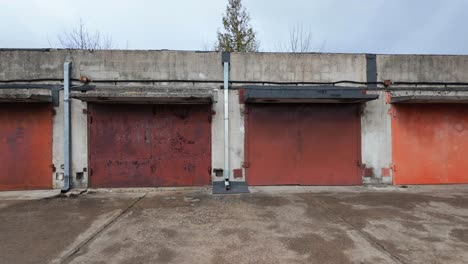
{"type": "Point", "coordinates": [297, 67]}
{"type": "Point", "coordinates": [111, 64]}
{"type": "Point", "coordinates": [422, 68]}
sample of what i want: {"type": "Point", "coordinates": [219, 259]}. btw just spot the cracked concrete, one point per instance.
{"type": "Point", "coordinates": [271, 225]}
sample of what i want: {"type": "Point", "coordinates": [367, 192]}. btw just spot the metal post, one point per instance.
{"type": "Point", "coordinates": [66, 127]}
{"type": "Point", "coordinates": [226, 126]}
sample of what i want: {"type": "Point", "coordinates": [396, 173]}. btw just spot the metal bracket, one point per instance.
{"type": "Point", "coordinates": [225, 57]}
{"type": "Point", "coordinates": [55, 97]}
{"type": "Point", "coordinates": [371, 70]}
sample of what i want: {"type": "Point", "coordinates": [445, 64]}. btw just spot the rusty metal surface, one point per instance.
{"type": "Point", "coordinates": [306, 144]}
{"type": "Point", "coordinates": [149, 145]}
{"type": "Point", "coordinates": [430, 143]}
{"type": "Point", "coordinates": [25, 146]}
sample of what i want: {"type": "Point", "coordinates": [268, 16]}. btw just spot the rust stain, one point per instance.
{"type": "Point", "coordinates": [430, 143]}
{"type": "Point", "coordinates": [26, 146]}
{"type": "Point", "coordinates": [149, 145]}
{"type": "Point", "coordinates": [306, 144]}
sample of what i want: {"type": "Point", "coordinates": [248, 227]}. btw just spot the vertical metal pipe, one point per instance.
{"type": "Point", "coordinates": [226, 126]}
{"type": "Point", "coordinates": [66, 127]}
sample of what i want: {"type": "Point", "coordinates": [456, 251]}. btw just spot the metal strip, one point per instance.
{"type": "Point", "coordinates": [55, 97]}
{"type": "Point", "coordinates": [371, 70]}
{"type": "Point", "coordinates": [226, 57]}
{"type": "Point", "coordinates": [66, 126]}
{"type": "Point", "coordinates": [226, 124]}
{"type": "Point", "coordinates": [429, 99]}
{"type": "Point", "coordinates": [338, 95]}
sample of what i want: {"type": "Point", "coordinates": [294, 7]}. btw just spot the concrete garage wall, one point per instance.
{"type": "Point", "coordinates": [409, 68]}
{"type": "Point", "coordinates": [196, 71]}
{"type": "Point", "coordinates": [112, 65]}
{"type": "Point", "coordinates": [236, 134]}
{"type": "Point", "coordinates": [281, 67]}
{"type": "Point", "coordinates": [79, 144]}
{"type": "Point", "coordinates": [376, 140]}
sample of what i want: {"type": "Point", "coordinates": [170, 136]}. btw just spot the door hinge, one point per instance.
{"type": "Point", "coordinates": [90, 173]}
{"type": "Point", "coordinates": [246, 164]}
{"type": "Point", "coordinates": [393, 167]}
{"type": "Point", "coordinates": [359, 163]}
{"type": "Point", "coordinates": [360, 110]}
{"type": "Point", "coordinates": [52, 166]}
{"type": "Point", "coordinates": [90, 119]}
{"type": "Point", "coordinates": [85, 111]}
{"type": "Point", "coordinates": [388, 97]}
{"type": "Point", "coordinates": [392, 112]}
{"type": "Point", "coordinates": [241, 96]}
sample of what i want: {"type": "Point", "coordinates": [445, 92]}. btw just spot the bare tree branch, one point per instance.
{"type": "Point", "coordinates": [300, 40]}
{"type": "Point", "coordinates": [80, 38]}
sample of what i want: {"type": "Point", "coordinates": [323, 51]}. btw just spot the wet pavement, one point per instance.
{"type": "Point", "coordinates": [272, 225]}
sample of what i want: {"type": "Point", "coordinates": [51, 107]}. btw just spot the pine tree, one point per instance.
{"type": "Point", "coordinates": [238, 34]}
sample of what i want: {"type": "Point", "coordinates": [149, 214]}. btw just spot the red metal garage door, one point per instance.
{"type": "Point", "coordinates": [149, 145]}
{"type": "Point", "coordinates": [430, 143]}
{"type": "Point", "coordinates": [25, 146]}
{"type": "Point", "coordinates": [307, 144]}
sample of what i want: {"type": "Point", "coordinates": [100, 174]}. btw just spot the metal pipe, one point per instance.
{"type": "Point", "coordinates": [395, 83]}
{"type": "Point", "coordinates": [66, 127]}
{"type": "Point", "coordinates": [226, 126]}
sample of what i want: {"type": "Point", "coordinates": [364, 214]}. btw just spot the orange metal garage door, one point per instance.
{"type": "Point", "coordinates": [149, 145]}
{"type": "Point", "coordinates": [430, 143]}
{"type": "Point", "coordinates": [25, 146]}
{"type": "Point", "coordinates": [307, 144]}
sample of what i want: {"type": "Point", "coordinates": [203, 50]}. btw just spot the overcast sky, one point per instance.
{"type": "Point", "coordinates": [362, 26]}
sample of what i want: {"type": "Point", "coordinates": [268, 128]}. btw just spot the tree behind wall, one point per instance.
{"type": "Point", "coordinates": [238, 34]}
{"type": "Point", "coordinates": [80, 38]}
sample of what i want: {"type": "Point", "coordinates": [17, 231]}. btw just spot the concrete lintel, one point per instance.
{"type": "Point", "coordinates": [26, 95]}
{"type": "Point", "coordinates": [301, 95]}
{"type": "Point", "coordinates": [429, 99]}
{"type": "Point", "coordinates": [145, 95]}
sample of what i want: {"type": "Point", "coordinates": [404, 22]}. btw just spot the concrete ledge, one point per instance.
{"type": "Point", "coordinates": [26, 95]}
{"type": "Point", "coordinates": [305, 94]}
{"type": "Point", "coordinates": [429, 99]}
{"type": "Point", "coordinates": [148, 95]}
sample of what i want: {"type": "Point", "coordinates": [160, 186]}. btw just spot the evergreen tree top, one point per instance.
{"type": "Point", "coordinates": [238, 34]}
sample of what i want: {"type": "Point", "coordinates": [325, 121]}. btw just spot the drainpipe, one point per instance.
{"type": "Point", "coordinates": [66, 127]}
{"type": "Point", "coordinates": [226, 58]}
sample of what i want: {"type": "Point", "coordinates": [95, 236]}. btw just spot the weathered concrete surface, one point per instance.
{"type": "Point", "coordinates": [272, 225]}
{"type": "Point", "coordinates": [172, 69]}
{"type": "Point", "coordinates": [236, 134]}
{"type": "Point", "coordinates": [25, 95]}
{"type": "Point", "coordinates": [111, 64]}
{"type": "Point", "coordinates": [422, 68]}
{"type": "Point", "coordinates": [297, 67]}
{"type": "Point", "coordinates": [376, 139]}
{"type": "Point", "coordinates": [48, 229]}
{"type": "Point", "coordinates": [79, 145]}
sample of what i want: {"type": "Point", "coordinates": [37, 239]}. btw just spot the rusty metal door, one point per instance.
{"type": "Point", "coordinates": [430, 143]}
{"type": "Point", "coordinates": [149, 145]}
{"type": "Point", "coordinates": [25, 146]}
{"type": "Point", "coordinates": [306, 144]}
